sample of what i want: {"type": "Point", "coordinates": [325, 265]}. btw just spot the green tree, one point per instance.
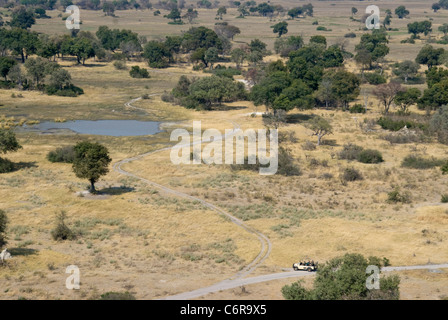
{"type": "Point", "coordinates": [190, 15]}
{"type": "Point", "coordinates": [8, 143]}
{"type": "Point", "coordinates": [215, 90]}
{"type": "Point", "coordinates": [345, 278]}
{"type": "Point", "coordinates": [211, 56]}
{"type": "Point", "coordinates": [436, 7]}
{"type": "Point", "coordinates": [22, 18]}
{"type": "Point", "coordinates": [372, 48]}
{"type": "Point", "coordinates": [345, 86]}
{"type": "Point", "coordinates": [6, 63]}
{"type": "Point", "coordinates": [37, 69]}
{"type": "Point", "coordinates": [60, 78]}
{"type": "Point", "coordinates": [406, 69]}
{"type": "Point", "coordinates": [439, 125]}
{"type": "Point", "coordinates": [281, 28]}
{"type": "Point", "coordinates": [444, 29]}
{"type": "Point", "coordinates": [238, 56]}
{"type": "Point", "coordinates": [221, 11]}
{"type": "Point", "coordinates": [174, 15]}
{"type": "Point", "coordinates": [320, 127]}
{"type": "Point", "coordinates": [401, 12]}
{"type": "Point", "coordinates": [430, 56]}
{"type": "Point", "coordinates": [405, 99]}
{"type": "Point", "coordinates": [157, 54]}
{"type": "Point", "coordinates": [435, 97]}
{"type": "Point", "coordinates": [91, 162]}
{"type": "Point", "coordinates": [3, 228]}
{"type": "Point", "coordinates": [386, 94]}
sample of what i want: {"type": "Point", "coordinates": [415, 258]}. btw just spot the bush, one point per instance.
{"type": "Point", "coordinates": [388, 123]}
{"type": "Point", "coordinates": [401, 138]}
{"type": "Point", "coordinates": [418, 162]}
{"type": "Point", "coordinates": [69, 91]}
{"type": "Point", "coordinates": [444, 198]}
{"type": "Point", "coordinates": [374, 78]}
{"type": "Point", "coordinates": [395, 196]}
{"type": "Point", "coordinates": [137, 72]}
{"type": "Point", "coordinates": [3, 227]}
{"type": "Point", "coordinates": [286, 164]}
{"type": "Point", "coordinates": [64, 154]}
{"type": "Point", "coordinates": [370, 156]}
{"type": "Point", "coordinates": [351, 174]}
{"type": "Point", "coordinates": [6, 166]}
{"type": "Point", "coordinates": [117, 296]}
{"type": "Point", "coordinates": [62, 232]}
{"type": "Point", "coordinates": [357, 108]}
{"type": "Point", "coordinates": [350, 152]}
{"type": "Point", "coordinates": [350, 35]}
{"type": "Point", "coordinates": [120, 65]}
{"type": "Point", "coordinates": [321, 28]}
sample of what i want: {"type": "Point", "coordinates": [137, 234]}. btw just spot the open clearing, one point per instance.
{"type": "Point", "coordinates": [138, 238]}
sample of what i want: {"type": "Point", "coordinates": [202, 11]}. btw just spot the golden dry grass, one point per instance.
{"type": "Point", "coordinates": [154, 245]}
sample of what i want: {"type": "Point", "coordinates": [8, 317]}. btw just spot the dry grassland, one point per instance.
{"type": "Point", "coordinates": [136, 238]}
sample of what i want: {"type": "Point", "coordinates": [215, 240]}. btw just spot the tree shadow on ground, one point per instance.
{"type": "Point", "coordinates": [298, 117]}
{"type": "Point", "coordinates": [24, 165]}
{"type": "Point", "coordinates": [22, 251]}
{"type": "Point", "coordinates": [115, 191]}
{"type": "Point", "coordinates": [224, 107]}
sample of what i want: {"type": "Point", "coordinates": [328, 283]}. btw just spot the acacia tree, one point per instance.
{"type": "Point", "coordinates": [320, 128]}
{"type": "Point", "coordinates": [281, 28]}
{"type": "Point", "coordinates": [91, 162]}
{"type": "Point", "coordinates": [401, 12]}
{"type": "Point", "coordinates": [8, 143]}
{"type": "Point", "coordinates": [386, 93]}
{"type": "Point", "coordinates": [407, 98]}
{"type": "Point", "coordinates": [221, 11]}
{"type": "Point", "coordinates": [190, 15]}
{"type": "Point", "coordinates": [430, 56]}
{"type": "Point", "coordinates": [406, 70]}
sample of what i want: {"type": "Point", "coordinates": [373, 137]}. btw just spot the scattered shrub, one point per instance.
{"type": "Point", "coordinates": [350, 152]}
{"type": "Point", "coordinates": [62, 232]}
{"type": "Point", "coordinates": [370, 156]}
{"type": "Point", "coordinates": [357, 108]}
{"type": "Point", "coordinates": [350, 35]}
{"type": "Point", "coordinates": [309, 146]}
{"type": "Point", "coordinates": [401, 138]}
{"type": "Point", "coordinates": [444, 198]}
{"type": "Point", "coordinates": [417, 162]}
{"type": "Point", "coordinates": [137, 72]}
{"type": "Point", "coordinates": [64, 154]}
{"type": "Point", "coordinates": [389, 123]}
{"type": "Point", "coordinates": [117, 296]}
{"type": "Point", "coordinates": [6, 166]}
{"type": "Point", "coordinates": [3, 227]}
{"type": "Point", "coordinates": [374, 78]}
{"type": "Point", "coordinates": [396, 196]}
{"type": "Point", "coordinates": [351, 174]}
{"type": "Point", "coordinates": [68, 91]}
{"type": "Point", "coordinates": [120, 65]}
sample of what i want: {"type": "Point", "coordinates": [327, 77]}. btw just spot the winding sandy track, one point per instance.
{"type": "Point", "coordinates": [238, 279]}
{"type": "Point", "coordinates": [265, 243]}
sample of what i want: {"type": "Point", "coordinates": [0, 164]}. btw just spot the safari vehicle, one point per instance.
{"type": "Point", "coordinates": [305, 265]}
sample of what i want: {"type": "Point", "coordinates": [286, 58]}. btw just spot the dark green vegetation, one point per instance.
{"type": "Point", "coordinates": [8, 143]}
{"type": "Point", "coordinates": [3, 227]}
{"type": "Point", "coordinates": [91, 161]}
{"type": "Point", "coordinates": [344, 278]}
{"type": "Point", "coordinates": [64, 154]}
{"type": "Point", "coordinates": [62, 231]}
